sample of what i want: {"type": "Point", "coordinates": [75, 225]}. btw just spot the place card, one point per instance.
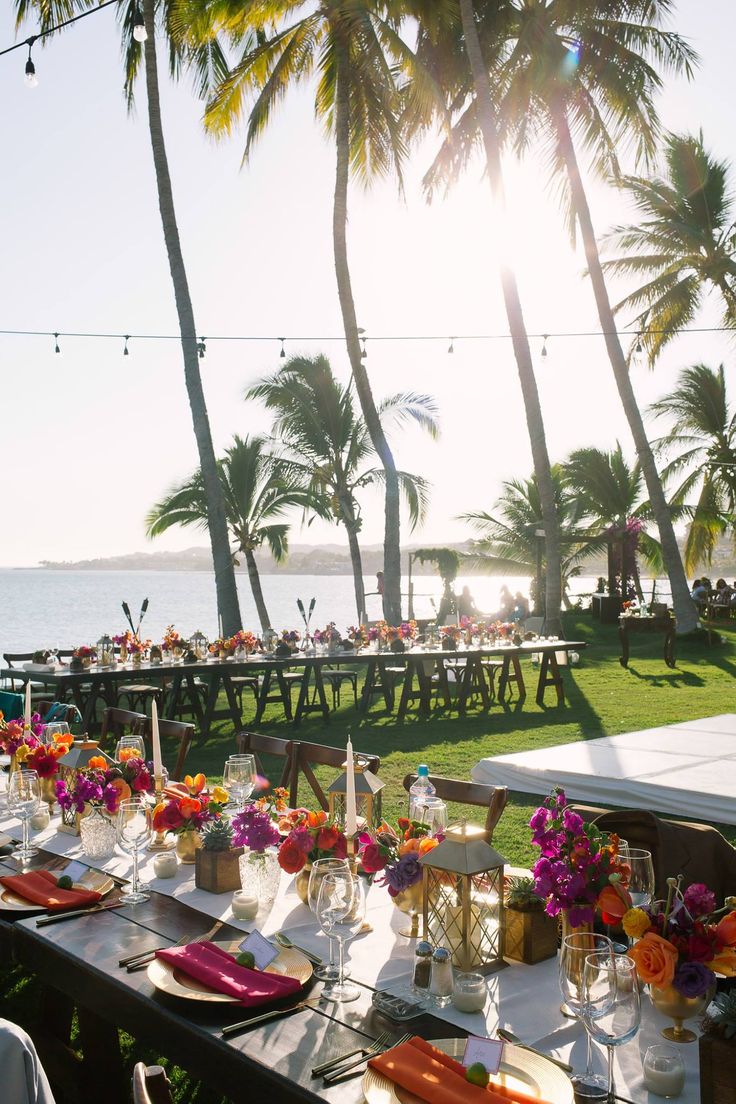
{"type": "Point", "coordinates": [74, 870]}
{"type": "Point", "coordinates": [263, 952]}
{"type": "Point", "coordinates": [486, 1051]}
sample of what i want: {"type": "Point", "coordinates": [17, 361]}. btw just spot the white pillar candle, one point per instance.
{"type": "Point", "coordinates": [351, 813]}
{"type": "Point", "coordinates": [27, 713]}
{"type": "Point", "coordinates": [156, 741]}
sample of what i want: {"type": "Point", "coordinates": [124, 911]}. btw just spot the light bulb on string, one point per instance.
{"type": "Point", "coordinates": [452, 345]}
{"type": "Point", "coordinates": [125, 349]}
{"type": "Point", "coordinates": [282, 354]}
{"type": "Point", "coordinates": [140, 34]}
{"type": "Point", "coordinates": [545, 338]}
{"type": "Point", "coordinates": [202, 347]}
{"type": "Point", "coordinates": [364, 351]}
{"type": "Point", "coordinates": [56, 344]}
{"type": "Point", "coordinates": [31, 78]}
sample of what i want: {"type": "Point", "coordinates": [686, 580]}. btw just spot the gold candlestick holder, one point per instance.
{"type": "Point", "coordinates": [159, 840]}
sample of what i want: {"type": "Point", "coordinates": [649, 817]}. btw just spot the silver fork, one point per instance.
{"type": "Point", "coordinates": [335, 1075]}
{"type": "Point", "coordinates": [325, 1067]}
{"type": "Point", "coordinates": [148, 956]}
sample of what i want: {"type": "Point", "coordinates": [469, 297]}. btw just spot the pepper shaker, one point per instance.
{"type": "Point", "coordinates": [440, 986]}
{"type": "Point", "coordinates": [422, 968]}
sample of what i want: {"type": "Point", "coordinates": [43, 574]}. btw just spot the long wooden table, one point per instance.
{"type": "Point", "coordinates": [179, 680]}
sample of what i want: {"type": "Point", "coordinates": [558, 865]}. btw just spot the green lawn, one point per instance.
{"type": "Point", "coordinates": [602, 699]}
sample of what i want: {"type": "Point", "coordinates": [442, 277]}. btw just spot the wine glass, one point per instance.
{"type": "Point", "coordinates": [321, 867]}
{"type": "Point", "coordinates": [133, 743]}
{"type": "Point", "coordinates": [641, 879]}
{"type": "Point", "coordinates": [341, 912]}
{"type": "Point", "coordinates": [52, 729]}
{"type": "Point", "coordinates": [239, 776]}
{"type": "Point", "coordinates": [611, 1006]}
{"type": "Point", "coordinates": [24, 799]}
{"type": "Point", "coordinates": [574, 950]}
{"type": "Point", "coordinates": [133, 828]}
{"type": "Point", "coordinates": [432, 812]}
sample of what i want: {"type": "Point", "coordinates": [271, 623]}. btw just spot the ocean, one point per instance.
{"type": "Point", "coordinates": [63, 609]}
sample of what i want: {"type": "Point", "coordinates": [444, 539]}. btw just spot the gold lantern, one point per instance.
{"type": "Point", "coordinates": [198, 644]}
{"type": "Point", "coordinates": [73, 763]}
{"type": "Point", "coordinates": [105, 651]}
{"type": "Point", "coordinates": [462, 896]}
{"type": "Point", "coordinates": [367, 795]}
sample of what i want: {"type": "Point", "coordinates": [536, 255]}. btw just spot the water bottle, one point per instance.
{"type": "Point", "coordinates": [420, 792]}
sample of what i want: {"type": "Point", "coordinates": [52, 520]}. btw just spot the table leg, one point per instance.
{"type": "Point", "coordinates": [214, 691]}
{"type": "Point", "coordinates": [549, 663]}
{"type": "Point", "coordinates": [262, 695]}
{"type": "Point", "coordinates": [232, 700]}
{"type": "Point", "coordinates": [503, 678]}
{"type": "Point", "coordinates": [285, 693]}
{"type": "Point", "coordinates": [368, 686]}
{"type": "Point", "coordinates": [478, 675]}
{"type": "Point", "coordinates": [425, 690]}
{"type": "Point", "coordinates": [101, 1059]}
{"type": "Point", "coordinates": [624, 638]}
{"type": "Point", "coordinates": [173, 697]}
{"type": "Point", "coordinates": [407, 690]}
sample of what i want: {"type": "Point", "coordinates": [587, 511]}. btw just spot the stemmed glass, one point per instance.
{"type": "Point", "coordinates": [611, 1009]}
{"type": "Point", "coordinates": [574, 950]}
{"type": "Point", "coordinates": [134, 743]}
{"type": "Point", "coordinates": [24, 799]}
{"type": "Point", "coordinates": [341, 911]}
{"type": "Point", "coordinates": [239, 777]}
{"type": "Point", "coordinates": [320, 868]}
{"type": "Point", "coordinates": [52, 729]}
{"type": "Point", "coordinates": [133, 828]}
{"type": "Point", "coordinates": [641, 880]}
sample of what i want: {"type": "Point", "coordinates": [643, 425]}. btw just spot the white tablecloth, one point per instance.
{"type": "Point", "coordinates": [524, 999]}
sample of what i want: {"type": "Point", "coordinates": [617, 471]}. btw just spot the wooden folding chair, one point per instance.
{"type": "Point", "coordinates": [256, 744]}
{"type": "Point", "coordinates": [151, 1085]}
{"type": "Point", "coordinates": [183, 731]}
{"type": "Point", "coordinates": [492, 798]}
{"type": "Point", "coordinates": [305, 756]}
{"type": "Point", "coordinates": [121, 722]}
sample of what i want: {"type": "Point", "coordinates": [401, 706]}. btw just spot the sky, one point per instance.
{"type": "Point", "coordinates": [91, 439]}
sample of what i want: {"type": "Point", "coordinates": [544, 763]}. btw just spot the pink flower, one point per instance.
{"type": "Point", "coordinates": [372, 859]}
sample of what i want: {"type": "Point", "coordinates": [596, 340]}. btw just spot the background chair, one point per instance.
{"type": "Point", "coordinates": [493, 799]}
{"type": "Point", "coordinates": [183, 731]}
{"type": "Point", "coordinates": [121, 722]}
{"type": "Point", "coordinates": [300, 758]}
{"type": "Point", "coordinates": [151, 1085]}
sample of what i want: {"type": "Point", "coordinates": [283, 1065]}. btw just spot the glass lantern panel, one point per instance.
{"type": "Point", "coordinates": [463, 914]}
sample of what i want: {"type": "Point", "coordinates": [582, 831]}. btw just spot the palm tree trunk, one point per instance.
{"type": "Point", "coordinates": [685, 609]}
{"type": "Point", "coordinates": [227, 594]}
{"type": "Point", "coordinates": [356, 561]}
{"type": "Point", "coordinates": [255, 585]}
{"type": "Point", "coordinates": [517, 328]}
{"type": "Point", "coordinates": [392, 531]}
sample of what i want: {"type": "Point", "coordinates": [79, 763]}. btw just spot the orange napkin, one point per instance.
{"type": "Point", "coordinates": [435, 1077]}
{"type": "Point", "coordinates": [38, 887]}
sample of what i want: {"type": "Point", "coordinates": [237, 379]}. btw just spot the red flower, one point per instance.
{"type": "Point", "coordinates": [327, 838]}
{"type": "Point", "coordinates": [291, 857]}
{"type": "Point", "coordinates": [372, 859]}
{"type": "Point", "coordinates": [613, 901]}
{"type": "Point", "coordinates": [699, 949]}
{"type": "Point", "coordinates": [341, 847]}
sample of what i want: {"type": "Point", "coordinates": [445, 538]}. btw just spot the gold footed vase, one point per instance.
{"type": "Point", "coordinates": [301, 880]}
{"type": "Point", "coordinates": [409, 901]}
{"type": "Point", "coordinates": [48, 792]}
{"type": "Point", "coordinates": [671, 1003]}
{"type": "Point", "coordinates": [187, 845]}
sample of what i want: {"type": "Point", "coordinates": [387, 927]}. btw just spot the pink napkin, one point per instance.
{"type": "Point", "coordinates": [209, 964]}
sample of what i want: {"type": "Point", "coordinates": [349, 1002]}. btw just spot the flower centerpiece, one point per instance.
{"type": "Point", "coordinates": [256, 834]}
{"type": "Point", "coordinates": [15, 738]}
{"type": "Point", "coordinates": [85, 654]}
{"type": "Point", "coordinates": [137, 649]}
{"type": "Point", "coordinates": [394, 853]}
{"type": "Point", "coordinates": [450, 637]}
{"type": "Point", "coordinates": [172, 644]}
{"type": "Point", "coordinates": [94, 794]}
{"type": "Point", "coordinates": [358, 634]}
{"type": "Point", "coordinates": [579, 870]}
{"type": "Point", "coordinates": [288, 642]}
{"type": "Point", "coordinates": [187, 807]}
{"type": "Point", "coordinates": [244, 642]}
{"type": "Point", "coordinates": [681, 944]}
{"type": "Point", "coordinates": [308, 836]}
{"type": "Point", "coordinates": [222, 647]}
{"type": "Point", "coordinates": [44, 760]}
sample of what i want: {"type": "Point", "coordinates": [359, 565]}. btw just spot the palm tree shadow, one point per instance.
{"type": "Point", "coordinates": [586, 716]}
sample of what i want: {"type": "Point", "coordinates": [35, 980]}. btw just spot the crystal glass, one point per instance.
{"type": "Point", "coordinates": [133, 830]}
{"type": "Point", "coordinates": [24, 799]}
{"type": "Point", "coordinates": [574, 950]}
{"type": "Point", "coordinates": [239, 777]}
{"type": "Point", "coordinates": [664, 1070]}
{"type": "Point", "coordinates": [341, 912]}
{"type": "Point", "coordinates": [432, 812]}
{"type": "Point", "coordinates": [133, 743]}
{"type": "Point", "coordinates": [611, 1008]}
{"type": "Point", "coordinates": [641, 880]}
{"type": "Point", "coordinates": [54, 728]}
{"type": "Point", "coordinates": [98, 835]}
{"type": "Point", "coordinates": [329, 971]}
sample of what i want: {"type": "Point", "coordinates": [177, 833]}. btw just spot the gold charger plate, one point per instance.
{"type": "Point", "coordinates": [165, 976]}
{"type": "Point", "coordinates": [92, 880]}
{"type": "Point", "coordinates": [520, 1069]}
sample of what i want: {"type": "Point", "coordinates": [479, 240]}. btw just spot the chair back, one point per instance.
{"type": "Point", "coordinates": [11, 659]}
{"type": "Point", "coordinates": [121, 722]}
{"type": "Point", "coordinates": [492, 798]}
{"type": "Point", "coordinates": [151, 1085]}
{"type": "Point", "coordinates": [257, 744]}
{"type": "Point", "coordinates": [60, 712]}
{"type": "Point", "coordinates": [183, 731]}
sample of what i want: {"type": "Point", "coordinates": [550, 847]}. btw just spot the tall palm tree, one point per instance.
{"type": "Point", "coordinates": [702, 437]}
{"type": "Point", "coordinates": [257, 492]}
{"type": "Point", "coordinates": [571, 71]}
{"type": "Point", "coordinates": [354, 48]}
{"type": "Point", "coordinates": [683, 245]}
{"type": "Point", "coordinates": [205, 60]}
{"type": "Point", "coordinates": [328, 444]}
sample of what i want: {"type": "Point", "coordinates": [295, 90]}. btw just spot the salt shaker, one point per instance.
{"type": "Point", "coordinates": [422, 967]}
{"type": "Point", "coordinates": [440, 986]}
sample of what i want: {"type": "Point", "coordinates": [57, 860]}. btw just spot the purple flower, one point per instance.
{"type": "Point", "coordinates": [693, 979]}
{"type": "Point", "coordinates": [539, 820]}
{"type": "Point", "coordinates": [699, 900]}
{"type": "Point", "coordinates": [255, 830]}
{"type": "Point", "coordinates": [303, 838]}
{"type": "Point", "coordinates": [572, 822]}
{"type": "Point", "coordinates": [579, 915]}
{"type": "Point", "coordinates": [403, 874]}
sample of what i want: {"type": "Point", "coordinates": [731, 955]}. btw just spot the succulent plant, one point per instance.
{"type": "Point", "coordinates": [218, 835]}
{"type": "Point", "coordinates": [721, 1016]}
{"type": "Point", "coordinates": [521, 895]}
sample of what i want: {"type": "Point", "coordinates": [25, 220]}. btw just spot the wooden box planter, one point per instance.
{"type": "Point", "coordinates": [217, 871]}
{"type": "Point", "coordinates": [717, 1070]}
{"type": "Point", "coordinates": [529, 936]}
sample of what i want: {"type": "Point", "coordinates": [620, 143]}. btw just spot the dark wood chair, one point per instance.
{"type": "Point", "coordinates": [492, 798]}
{"type": "Point", "coordinates": [257, 745]}
{"type": "Point", "coordinates": [121, 722]}
{"type": "Point", "coordinates": [64, 712]}
{"type": "Point", "coordinates": [151, 1085]}
{"type": "Point", "coordinates": [335, 677]}
{"type": "Point", "coordinates": [183, 731]}
{"type": "Point", "coordinates": [12, 659]}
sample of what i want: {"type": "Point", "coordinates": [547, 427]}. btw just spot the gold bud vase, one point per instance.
{"type": "Point", "coordinates": [187, 845]}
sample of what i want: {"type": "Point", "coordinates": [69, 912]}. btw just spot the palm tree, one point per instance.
{"type": "Point", "coordinates": [442, 50]}
{"type": "Point", "coordinates": [355, 49]}
{"type": "Point", "coordinates": [204, 60]}
{"type": "Point", "coordinates": [683, 245]}
{"type": "Point", "coordinates": [703, 438]}
{"type": "Point", "coordinates": [257, 492]}
{"type": "Point", "coordinates": [571, 70]}
{"type": "Point", "coordinates": [508, 538]}
{"type": "Point", "coordinates": [328, 444]}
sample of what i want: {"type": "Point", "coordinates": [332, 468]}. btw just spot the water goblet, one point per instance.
{"type": "Point", "coordinates": [320, 868]}
{"type": "Point", "coordinates": [640, 883]}
{"type": "Point", "coordinates": [239, 777]}
{"type": "Point", "coordinates": [574, 950]}
{"type": "Point", "coordinates": [54, 729]}
{"type": "Point", "coordinates": [130, 744]}
{"type": "Point", "coordinates": [133, 829]}
{"type": "Point", "coordinates": [24, 799]}
{"type": "Point", "coordinates": [341, 912]}
{"type": "Point", "coordinates": [611, 1005]}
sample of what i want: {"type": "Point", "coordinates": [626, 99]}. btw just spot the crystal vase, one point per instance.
{"type": "Point", "coordinates": [260, 874]}
{"type": "Point", "coordinates": [98, 835]}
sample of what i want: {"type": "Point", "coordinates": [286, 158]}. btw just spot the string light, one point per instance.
{"type": "Point", "coordinates": [639, 348]}
{"type": "Point", "coordinates": [544, 344]}
{"type": "Point", "coordinates": [452, 345]}
{"type": "Point", "coordinates": [56, 344]}
{"type": "Point", "coordinates": [201, 348]}
{"type": "Point", "coordinates": [31, 78]}
{"type": "Point", "coordinates": [140, 34]}
{"type": "Point", "coordinates": [125, 350]}
{"type": "Point", "coordinates": [283, 350]}
{"type": "Point", "coordinates": [52, 30]}
{"type": "Point", "coordinates": [364, 351]}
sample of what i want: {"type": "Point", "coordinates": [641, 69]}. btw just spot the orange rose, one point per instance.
{"type": "Point", "coordinates": [613, 901]}
{"type": "Point", "coordinates": [188, 806]}
{"type": "Point", "coordinates": [97, 762]}
{"type": "Point", "coordinates": [315, 820]}
{"type": "Point", "coordinates": [655, 960]}
{"type": "Point", "coordinates": [123, 789]}
{"type": "Point", "coordinates": [408, 845]}
{"type": "Point", "coordinates": [427, 844]}
{"type": "Point", "coordinates": [65, 738]}
{"type": "Point", "coordinates": [726, 930]}
{"type": "Point", "coordinates": [128, 753]}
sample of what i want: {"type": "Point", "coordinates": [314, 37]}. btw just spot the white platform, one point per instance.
{"type": "Point", "coordinates": [686, 770]}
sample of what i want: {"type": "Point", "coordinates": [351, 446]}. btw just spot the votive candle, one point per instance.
{"type": "Point", "coordinates": [244, 906]}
